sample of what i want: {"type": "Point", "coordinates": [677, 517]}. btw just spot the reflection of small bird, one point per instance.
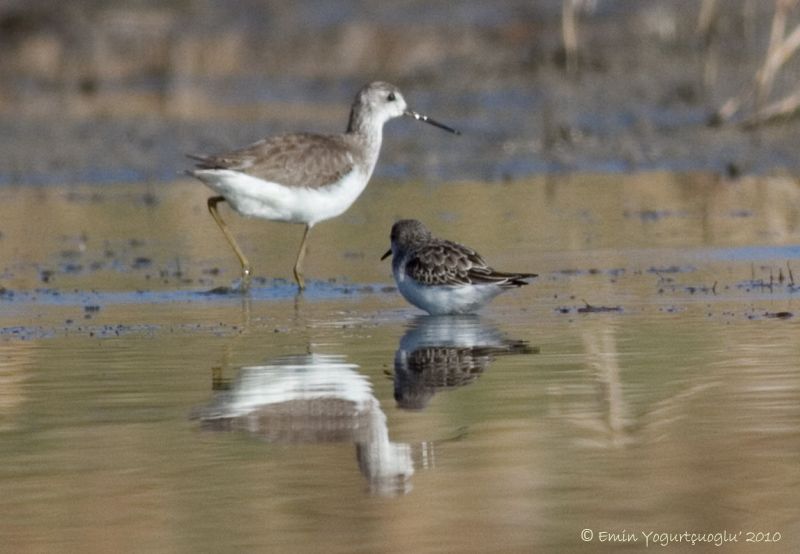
{"type": "Point", "coordinates": [446, 352]}
{"type": "Point", "coordinates": [444, 277]}
{"type": "Point", "coordinates": [304, 178]}
{"type": "Point", "coordinates": [421, 373]}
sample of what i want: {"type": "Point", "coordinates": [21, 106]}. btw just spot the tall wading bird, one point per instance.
{"type": "Point", "coordinates": [444, 277]}
{"type": "Point", "coordinates": [304, 177]}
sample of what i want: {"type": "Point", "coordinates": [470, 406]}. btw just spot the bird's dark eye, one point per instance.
{"type": "Point", "coordinates": [391, 97]}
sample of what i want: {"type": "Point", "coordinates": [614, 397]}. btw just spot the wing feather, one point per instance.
{"type": "Point", "coordinates": [443, 262]}
{"type": "Point", "coordinates": [297, 160]}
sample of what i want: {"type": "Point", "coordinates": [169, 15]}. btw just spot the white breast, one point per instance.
{"type": "Point", "coordinates": [253, 197]}
{"type": "Point", "coordinates": [443, 300]}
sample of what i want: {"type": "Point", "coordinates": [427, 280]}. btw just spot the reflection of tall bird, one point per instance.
{"type": "Point", "coordinates": [314, 399]}
{"type": "Point", "coordinates": [444, 352]}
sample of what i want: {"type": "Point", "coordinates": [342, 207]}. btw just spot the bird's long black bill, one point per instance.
{"type": "Point", "coordinates": [426, 119]}
{"type": "Point", "coordinates": [388, 253]}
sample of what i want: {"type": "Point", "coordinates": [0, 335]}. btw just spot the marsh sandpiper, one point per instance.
{"type": "Point", "coordinates": [444, 277]}
{"type": "Point", "coordinates": [304, 177]}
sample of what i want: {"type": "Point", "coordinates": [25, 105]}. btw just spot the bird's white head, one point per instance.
{"type": "Point", "coordinates": [377, 103]}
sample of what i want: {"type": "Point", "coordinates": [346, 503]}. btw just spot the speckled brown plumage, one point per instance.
{"type": "Point", "coordinates": [442, 262]}
{"type": "Point", "coordinates": [432, 261]}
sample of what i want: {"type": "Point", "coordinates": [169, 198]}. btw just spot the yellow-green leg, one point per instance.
{"type": "Point", "coordinates": [212, 208]}
{"type": "Point", "coordinates": [301, 254]}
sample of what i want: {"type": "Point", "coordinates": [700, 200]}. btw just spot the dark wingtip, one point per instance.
{"type": "Point", "coordinates": [519, 280]}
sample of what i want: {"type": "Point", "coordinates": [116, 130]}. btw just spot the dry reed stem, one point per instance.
{"type": "Point", "coordinates": [705, 21]}
{"type": "Point", "coordinates": [783, 108]}
{"type": "Point", "coordinates": [781, 49]}
{"type": "Point", "coordinates": [569, 30]}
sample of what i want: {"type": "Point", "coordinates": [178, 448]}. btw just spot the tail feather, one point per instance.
{"type": "Point", "coordinates": [518, 279]}
{"type": "Point", "coordinates": [502, 278]}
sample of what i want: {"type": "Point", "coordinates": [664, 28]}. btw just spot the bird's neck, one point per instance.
{"type": "Point", "coordinates": [368, 133]}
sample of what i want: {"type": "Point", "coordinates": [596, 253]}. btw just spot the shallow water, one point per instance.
{"type": "Point", "coordinates": [647, 381]}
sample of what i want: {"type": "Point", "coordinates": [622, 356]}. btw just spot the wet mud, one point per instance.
{"type": "Point", "coordinates": [705, 248]}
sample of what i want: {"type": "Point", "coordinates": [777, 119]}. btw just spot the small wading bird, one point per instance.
{"type": "Point", "coordinates": [305, 177]}
{"type": "Point", "coordinates": [444, 277]}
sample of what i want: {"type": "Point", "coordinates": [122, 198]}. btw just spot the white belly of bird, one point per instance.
{"type": "Point", "coordinates": [443, 300]}
{"type": "Point", "coordinates": [253, 197]}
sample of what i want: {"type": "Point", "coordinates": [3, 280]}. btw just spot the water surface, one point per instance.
{"type": "Point", "coordinates": [647, 381]}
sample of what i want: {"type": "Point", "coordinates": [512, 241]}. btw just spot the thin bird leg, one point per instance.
{"type": "Point", "coordinates": [301, 254]}
{"type": "Point", "coordinates": [212, 208]}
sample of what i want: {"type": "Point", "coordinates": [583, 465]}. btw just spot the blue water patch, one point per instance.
{"type": "Point", "coordinates": [754, 253]}
{"type": "Point", "coordinates": [82, 175]}
{"type": "Point", "coordinates": [278, 289]}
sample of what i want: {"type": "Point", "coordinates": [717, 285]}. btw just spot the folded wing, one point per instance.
{"type": "Point", "coordinates": [449, 263]}
{"type": "Point", "coordinates": [298, 160]}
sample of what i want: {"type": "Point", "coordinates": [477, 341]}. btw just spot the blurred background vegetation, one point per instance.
{"type": "Point", "coordinates": [99, 91]}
